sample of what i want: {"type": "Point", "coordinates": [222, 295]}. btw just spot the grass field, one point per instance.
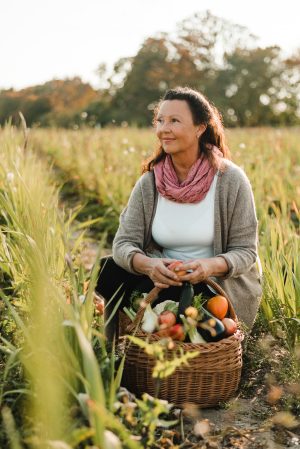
{"type": "Point", "coordinates": [53, 356]}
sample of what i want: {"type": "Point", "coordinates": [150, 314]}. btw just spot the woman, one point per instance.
{"type": "Point", "coordinates": [190, 204]}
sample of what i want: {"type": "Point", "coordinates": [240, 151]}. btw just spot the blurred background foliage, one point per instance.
{"type": "Point", "coordinates": [252, 86]}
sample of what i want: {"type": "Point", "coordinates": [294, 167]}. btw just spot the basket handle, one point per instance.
{"type": "Point", "coordinates": [152, 295]}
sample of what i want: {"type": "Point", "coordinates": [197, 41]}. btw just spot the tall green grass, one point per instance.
{"type": "Point", "coordinates": [32, 256]}
{"type": "Point", "coordinates": [42, 302]}
{"type": "Point", "coordinates": [271, 158]}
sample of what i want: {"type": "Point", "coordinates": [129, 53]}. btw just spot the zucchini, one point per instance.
{"type": "Point", "coordinates": [210, 327]}
{"type": "Point", "coordinates": [185, 299]}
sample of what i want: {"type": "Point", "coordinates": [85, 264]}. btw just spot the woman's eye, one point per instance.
{"type": "Point", "coordinates": [160, 120]}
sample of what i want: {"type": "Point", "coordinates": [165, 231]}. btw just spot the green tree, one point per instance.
{"type": "Point", "coordinates": [191, 56]}
{"type": "Point", "coordinates": [9, 105]}
{"type": "Point", "coordinates": [143, 83]}
{"type": "Point", "coordinates": [54, 103]}
{"type": "Point", "coordinates": [252, 89]}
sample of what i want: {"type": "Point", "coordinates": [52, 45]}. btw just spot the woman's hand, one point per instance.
{"type": "Point", "coordinates": [156, 269]}
{"type": "Point", "coordinates": [161, 276]}
{"type": "Point", "coordinates": [203, 268]}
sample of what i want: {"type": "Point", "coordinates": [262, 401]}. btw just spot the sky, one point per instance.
{"type": "Point", "coordinates": [42, 40]}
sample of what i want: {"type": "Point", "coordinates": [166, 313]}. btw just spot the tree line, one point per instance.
{"type": "Point", "coordinates": [249, 84]}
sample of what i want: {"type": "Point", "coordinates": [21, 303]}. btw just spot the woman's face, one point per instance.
{"type": "Point", "coordinates": [175, 128]}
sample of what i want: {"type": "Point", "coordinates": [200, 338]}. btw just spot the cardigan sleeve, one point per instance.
{"type": "Point", "coordinates": [130, 236]}
{"type": "Point", "coordinates": [241, 248]}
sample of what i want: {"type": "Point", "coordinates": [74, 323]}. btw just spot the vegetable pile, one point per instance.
{"type": "Point", "coordinates": [193, 319]}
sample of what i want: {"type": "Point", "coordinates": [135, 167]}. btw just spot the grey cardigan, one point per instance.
{"type": "Point", "coordinates": [235, 235]}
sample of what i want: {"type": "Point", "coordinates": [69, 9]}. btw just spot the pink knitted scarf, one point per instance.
{"type": "Point", "coordinates": [196, 185]}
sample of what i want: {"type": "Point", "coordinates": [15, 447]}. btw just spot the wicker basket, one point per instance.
{"type": "Point", "coordinates": [210, 378]}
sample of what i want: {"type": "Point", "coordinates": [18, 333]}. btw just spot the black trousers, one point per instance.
{"type": "Point", "coordinates": [112, 278]}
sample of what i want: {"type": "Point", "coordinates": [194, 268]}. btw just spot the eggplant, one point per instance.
{"type": "Point", "coordinates": [210, 327]}
{"type": "Point", "coordinates": [186, 299]}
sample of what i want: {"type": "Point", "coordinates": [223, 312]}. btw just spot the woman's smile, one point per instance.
{"type": "Point", "coordinates": [167, 139]}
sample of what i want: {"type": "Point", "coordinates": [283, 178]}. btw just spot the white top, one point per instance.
{"type": "Point", "coordinates": [185, 231]}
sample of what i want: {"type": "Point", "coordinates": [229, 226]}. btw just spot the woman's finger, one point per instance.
{"type": "Point", "coordinates": [197, 280]}
{"type": "Point", "coordinates": [167, 280]}
{"type": "Point", "coordinates": [167, 261]}
{"type": "Point", "coordinates": [192, 277]}
{"type": "Point", "coordinates": [193, 265]}
{"type": "Point", "coordinates": [168, 274]}
{"type": "Point", "coordinates": [197, 275]}
{"type": "Point", "coordinates": [186, 277]}
{"type": "Point", "coordinates": [160, 285]}
{"type": "Point", "coordinates": [161, 275]}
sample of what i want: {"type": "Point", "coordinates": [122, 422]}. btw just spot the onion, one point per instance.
{"type": "Point", "coordinates": [150, 320]}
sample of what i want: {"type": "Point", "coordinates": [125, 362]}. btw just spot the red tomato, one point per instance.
{"type": "Point", "coordinates": [99, 305]}
{"type": "Point", "coordinates": [167, 318]}
{"type": "Point", "coordinates": [218, 306]}
{"type": "Point", "coordinates": [230, 326]}
{"type": "Point", "coordinates": [163, 333]}
{"type": "Point", "coordinates": [176, 332]}
{"type": "Point", "coordinates": [176, 264]}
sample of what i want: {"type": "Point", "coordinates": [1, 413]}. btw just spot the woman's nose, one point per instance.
{"type": "Point", "coordinates": [164, 127]}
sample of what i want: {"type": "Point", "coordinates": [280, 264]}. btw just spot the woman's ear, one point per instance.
{"type": "Point", "coordinates": [200, 130]}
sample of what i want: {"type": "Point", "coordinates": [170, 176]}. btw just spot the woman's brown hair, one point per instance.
{"type": "Point", "coordinates": [203, 112]}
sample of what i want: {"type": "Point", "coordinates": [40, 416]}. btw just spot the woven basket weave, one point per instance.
{"type": "Point", "coordinates": [210, 378]}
